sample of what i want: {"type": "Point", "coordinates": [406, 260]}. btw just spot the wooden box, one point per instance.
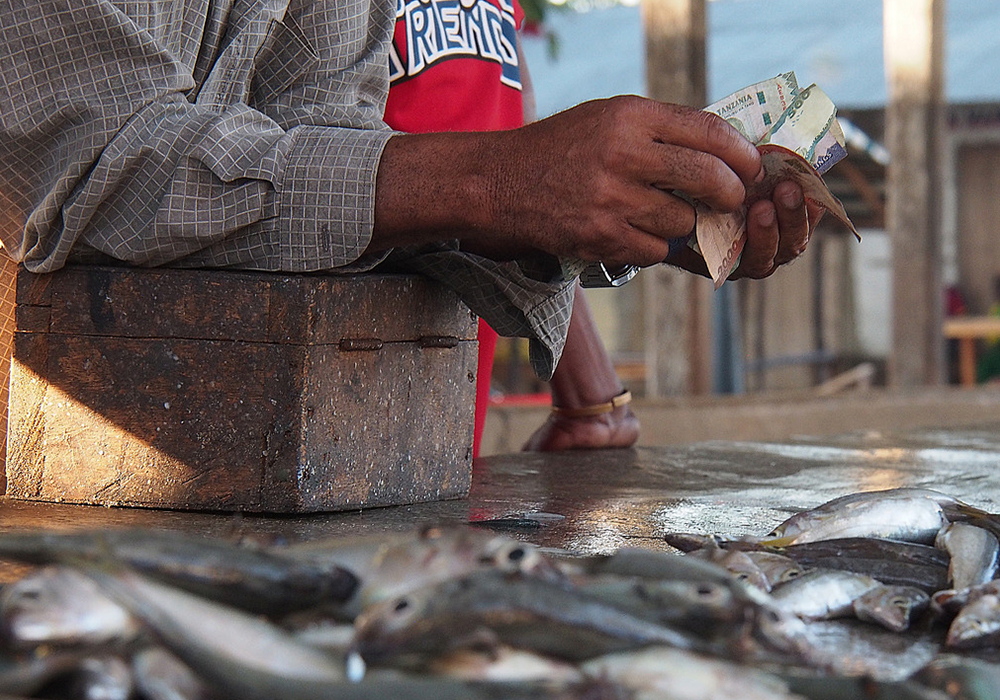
{"type": "Point", "coordinates": [220, 390]}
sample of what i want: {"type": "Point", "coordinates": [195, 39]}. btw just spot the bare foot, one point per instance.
{"type": "Point", "coordinates": [620, 428]}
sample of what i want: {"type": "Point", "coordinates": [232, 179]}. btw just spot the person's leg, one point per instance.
{"type": "Point", "coordinates": [585, 377]}
{"type": "Point", "coordinates": [487, 349]}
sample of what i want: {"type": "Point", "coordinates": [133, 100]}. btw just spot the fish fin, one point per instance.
{"type": "Point", "coordinates": [778, 542]}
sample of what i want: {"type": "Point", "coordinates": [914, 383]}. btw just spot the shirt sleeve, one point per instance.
{"type": "Point", "coordinates": [116, 136]}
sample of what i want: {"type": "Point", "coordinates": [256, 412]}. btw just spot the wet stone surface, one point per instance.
{"type": "Point", "coordinates": [604, 500]}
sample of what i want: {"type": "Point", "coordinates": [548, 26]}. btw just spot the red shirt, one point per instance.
{"type": "Point", "coordinates": [453, 66]}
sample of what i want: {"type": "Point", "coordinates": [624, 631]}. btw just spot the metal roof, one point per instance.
{"type": "Point", "coordinates": [834, 43]}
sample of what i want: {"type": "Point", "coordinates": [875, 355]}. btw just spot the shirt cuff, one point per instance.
{"type": "Point", "coordinates": [326, 198]}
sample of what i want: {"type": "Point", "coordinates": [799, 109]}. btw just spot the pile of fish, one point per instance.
{"type": "Point", "coordinates": [466, 613]}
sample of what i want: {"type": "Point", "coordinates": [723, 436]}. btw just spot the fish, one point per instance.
{"type": "Point", "coordinates": [494, 607]}
{"type": "Point", "coordinates": [506, 664]}
{"type": "Point", "coordinates": [388, 567]}
{"type": "Point", "coordinates": [892, 607]}
{"type": "Point", "coordinates": [667, 673]}
{"type": "Point", "coordinates": [736, 562]}
{"type": "Point", "coordinates": [703, 607]}
{"type": "Point", "coordinates": [59, 606]}
{"type": "Point", "coordinates": [258, 580]}
{"type": "Point", "coordinates": [822, 594]}
{"type": "Point", "coordinates": [974, 554]}
{"type": "Point", "coordinates": [890, 561]}
{"type": "Point", "coordinates": [241, 653]}
{"type": "Point", "coordinates": [961, 677]}
{"type": "Point", "coordinates": [653, 564]}
{"type": "Point", "coordinates": [688, 542]}
{"type": "Point", "coordinates": [976, 625]}
{"type": "Point", "coordinates": [946, 603]}
{"type": "Point", "coordinates": [105, 677]}
{"type": "Point", "coordinates": [854, 687]}
{"type": "Point", "coordinates": [776, 568]}
{"type": "Point", "coordinates": [160, 675]}
{"type": "Point", "coordinates": [911, 515]}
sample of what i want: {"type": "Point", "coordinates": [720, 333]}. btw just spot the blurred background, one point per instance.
{"type": "Point", "coordinates": [917, 86]}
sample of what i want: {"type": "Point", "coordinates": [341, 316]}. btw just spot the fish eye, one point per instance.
{"type": "Point", "coordinates": [705, 590]}
{"type": "Point", "coordinates": [516, 554]}
{"type": "Point", "coordinates": [401, 605]}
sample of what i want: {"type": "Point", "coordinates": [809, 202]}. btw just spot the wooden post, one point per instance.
{"type": "Point", "coordinates": [914, 46]}
{"type": "Point", "coordinates": [678, 311]}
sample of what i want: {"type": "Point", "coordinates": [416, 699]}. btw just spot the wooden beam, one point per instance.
{"type": "Point", "coordinates": [914, 43]}
{"type": "Point", "coordinates": [865, 190]}
{"type": "Point", "coordinates": [678, 307]}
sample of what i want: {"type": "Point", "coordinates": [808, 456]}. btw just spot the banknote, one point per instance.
{"type": "Point", "coordinates": [754, 109]}
{"type": "Point", "coordinates": [806, 127]}
{"type": "Point", "coordinates": [809, 127]}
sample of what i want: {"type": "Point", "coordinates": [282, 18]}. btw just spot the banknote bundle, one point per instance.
{"type": "Point", "coordinates": [797, 133]}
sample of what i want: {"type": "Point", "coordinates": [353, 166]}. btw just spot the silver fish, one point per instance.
{"type": "Point", "coordinates": [389, 566]}
{"type": "Point", "coordinates": [736, 562]}
{"type": "Point", "coordinates": [704, 607]}
{"type": "Point", "coordinates": [892, 607]}
{"type": "Point", "coordinates": [947, 603]}
{"type": "Point", "coordinates": [520, 611]}
{"type": "Point", "coordinates": [239, 652]}
{"type": "Point", "coordinates": [505, 664]}
{"type": "Point", "coordinates": [822, 594]}
{"type": "Point", "coordinates": [102, 678]}
{"type": "Point", "coordinates": [961, 677]}
{"type": "Point", "coordinates": [664, 673]}
{"type": "Point", "coordinates": [898, 514]}
{"type": "Point", "coordinates": [259, 580]}
{"type": "Point", "coordinates": [974, 552]}
{"type": "Point", "coordinates": [976, 625]}
{"type": "Point", "coordinates": [159, 675]}
{"type": "Point", "coordinates": [889, 561]}
{"type": "Point", "coordinates": [776, 568]}
{"type": "Point", "coordinates": [58, 605]}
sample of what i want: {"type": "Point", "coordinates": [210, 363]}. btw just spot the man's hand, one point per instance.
{"type": "Point", "coordinates": [778, 229]}
{"type": "Point", "coordinates": [595, 182]}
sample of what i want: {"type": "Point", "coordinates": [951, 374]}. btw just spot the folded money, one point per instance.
{"type": "Point", "coordinates": [797, 133]}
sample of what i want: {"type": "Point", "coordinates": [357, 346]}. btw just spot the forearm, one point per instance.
{"type": "Point", "coordinates": [433, 187]}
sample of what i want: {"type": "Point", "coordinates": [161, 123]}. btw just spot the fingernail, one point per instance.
{"type": "Point", "coordinates": [766, 217]}
{"type": "Point", "coordinates": [760, 175]}
{"type": "Point", "coordinates": [791, 199]}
